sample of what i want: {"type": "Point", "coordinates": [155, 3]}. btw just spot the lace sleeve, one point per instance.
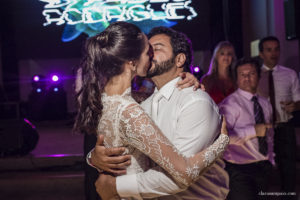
{"type": "Point", "coordinates": [139, 131]}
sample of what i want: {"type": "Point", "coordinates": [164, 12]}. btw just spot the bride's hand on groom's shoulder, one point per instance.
{"type": "Point", "coordinates": [109, 159]}
{"type": "Point", "coordinates": [189, 80]}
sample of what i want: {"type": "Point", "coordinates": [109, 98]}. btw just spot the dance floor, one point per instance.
{"type": "Point", "coordinates": [54, 169]}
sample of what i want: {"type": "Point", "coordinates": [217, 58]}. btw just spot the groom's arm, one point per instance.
{"type": "Point", "coordinates": [197, 127]}
{"type": "Point", "coordinates": [109, 160]}
{"type": "Point", "coordinates": [106, 186]}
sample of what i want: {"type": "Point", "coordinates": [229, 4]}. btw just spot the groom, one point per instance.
{"type": "Point", "coordinates": [189, 119]}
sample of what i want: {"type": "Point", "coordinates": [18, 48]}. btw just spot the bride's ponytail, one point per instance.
{"type": "Point", "coordinates": [104, 57]}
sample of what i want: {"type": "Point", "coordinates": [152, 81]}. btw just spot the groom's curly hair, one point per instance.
{"type": "Point", "coordinates": [180, 44]}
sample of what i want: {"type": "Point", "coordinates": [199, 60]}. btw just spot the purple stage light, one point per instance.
{"type": "Point", "coordinates": [38, 90]}
{"type": "Point", "coordinates": [57, 155]}
{"type": "Point", "coordinates": [55, 89]}
{"type": "Point", "coordinates": [196, 69]}
{"type": "Point", "coordinates": [55, 78]}
{"type": "Point", "coordinates": [36, 78]}
{"type": "Point", "coordinates": [28, 122]}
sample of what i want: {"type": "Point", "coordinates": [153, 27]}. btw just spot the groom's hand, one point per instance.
{"type": "Point", "coordinates": [106, 187]}
{"type": "Point", "coordinates": [109, 159]}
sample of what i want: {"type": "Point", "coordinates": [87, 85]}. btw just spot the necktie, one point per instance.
{"type": "Point", "coordinates": [272, 94]}
{"type": "Point", "coordinates": [154, 111]}
{"type": "Point", "coordinates": [259, 119]}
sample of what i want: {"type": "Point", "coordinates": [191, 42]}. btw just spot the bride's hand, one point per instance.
{"type": "Point", "coordinates": [189, 80]}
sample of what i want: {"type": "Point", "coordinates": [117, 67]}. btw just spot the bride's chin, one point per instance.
{"type": "Point", "coordinates": [142, 74]}
{"type": "Point", "coordinates": [145, 72]}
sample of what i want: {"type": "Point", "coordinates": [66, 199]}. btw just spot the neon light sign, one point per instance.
{"type": "Point", "coordinates": [93, 16]}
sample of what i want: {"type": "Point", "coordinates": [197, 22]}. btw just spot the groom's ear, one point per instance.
{"type": "Point", "coordinates": [180, 59]}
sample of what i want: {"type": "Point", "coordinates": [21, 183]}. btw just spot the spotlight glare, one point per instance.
{"type": "Point", "coordinates": [38, 90]}
{"type": "Point", "coordinates": [55, 89]}
{"type": "Point", "coordinates": [55, 78]}
{"type": "Point", "coordinates": [196, 69]}
{"type": "Point", "coordinates": [36, 78]}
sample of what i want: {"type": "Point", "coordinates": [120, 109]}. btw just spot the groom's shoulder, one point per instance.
{"type": "Point", "coordinates": [198, 95]}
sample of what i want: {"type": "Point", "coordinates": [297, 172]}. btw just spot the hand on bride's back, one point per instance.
{"type": "Point", "coordinates": [109, 159]}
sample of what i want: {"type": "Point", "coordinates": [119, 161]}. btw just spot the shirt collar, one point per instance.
{"type": "Point", "coordinates": [246, 94]}
{"type": "Point", "coordinates": [265, 68]}
{"type": "Point", "coordinates": [168, 88]}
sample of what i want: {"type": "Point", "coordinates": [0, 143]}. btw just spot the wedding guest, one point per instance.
{"type": "Point", "coordinates": [218, 81]}
{"type": "Point", "coordinates": [250, 152]}
{"type": "Point", "coordinates": [281, 85]}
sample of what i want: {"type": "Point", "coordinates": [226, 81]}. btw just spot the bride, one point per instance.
{"type": "Point", "coordinates": [112, 59]}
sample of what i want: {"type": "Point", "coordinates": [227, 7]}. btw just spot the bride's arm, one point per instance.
{"type": "Point", "coordinates": [141, 132]}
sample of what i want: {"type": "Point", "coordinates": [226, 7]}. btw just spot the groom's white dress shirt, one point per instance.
{"type": "Point", "coordinates": [191, 121]}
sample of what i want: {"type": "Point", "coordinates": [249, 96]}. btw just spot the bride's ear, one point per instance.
{"type": "Point", "coordinates": [132, 65]}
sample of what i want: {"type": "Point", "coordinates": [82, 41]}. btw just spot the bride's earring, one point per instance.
{"type": "Point", "coordinates": [134, 69]}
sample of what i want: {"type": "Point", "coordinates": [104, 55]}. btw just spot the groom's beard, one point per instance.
{"type": "Point", "coordinates": [161, 68]}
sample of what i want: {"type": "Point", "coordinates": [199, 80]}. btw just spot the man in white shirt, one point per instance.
{"type": "Point", "coordinates": [189, 119]}
{"type": "Point", "coordinates": [281, 85]}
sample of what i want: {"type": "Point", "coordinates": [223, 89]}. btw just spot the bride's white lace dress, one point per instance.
{"type": "Point", "coordinates": [124, 123]}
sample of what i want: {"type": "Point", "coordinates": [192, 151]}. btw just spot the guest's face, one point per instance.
{"type": "Point", "coordinates": [225, 56]}
{"type": "Point", "coordinates": [247, 78]}
{"type": "Point", "coordinates": [270, 53]}
{"type": "Point", "coordinates": [163, 59]}
{"type": "Point", "coordinates": [144, 63]}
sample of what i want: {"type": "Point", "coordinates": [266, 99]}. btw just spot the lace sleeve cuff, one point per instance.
{"type": "Point", "coordinates": [216, 150]}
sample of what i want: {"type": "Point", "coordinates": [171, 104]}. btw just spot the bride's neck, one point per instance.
{"type": "Point", "coordinates": [118, 84]}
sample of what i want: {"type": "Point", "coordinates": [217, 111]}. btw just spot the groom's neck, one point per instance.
{"type": "Point", "coordinates": [166, 77]}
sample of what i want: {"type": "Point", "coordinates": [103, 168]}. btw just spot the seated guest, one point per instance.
{"type": "Point", "coordinates": [250, 152]}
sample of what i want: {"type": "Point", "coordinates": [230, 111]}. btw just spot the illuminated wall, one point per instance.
{"type": "Point", "coordinates": [93, 16]}
{"type": "Point", "coordinates": [26, 39]}
{"type": "Point", "coordinates": [34, 40]}
{"type": "Point", "coordinates": [263, 18]}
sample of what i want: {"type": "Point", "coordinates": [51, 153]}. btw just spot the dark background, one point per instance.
{"type": "Point", "coordinates": [23, 35]}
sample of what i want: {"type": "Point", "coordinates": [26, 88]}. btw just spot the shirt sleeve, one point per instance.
{"type": "Point", "coordinates": [140, 132]}
{"type": "Point", "coordinates": [295, 87]}
{"type": "Point", "coordinates": [238, 134]}
{"type": "Point", "coordinates": [153, 183]}
{"type": "Point", "coordinates": [197, 126]}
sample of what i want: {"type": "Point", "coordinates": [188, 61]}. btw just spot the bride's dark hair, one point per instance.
{"type": "Point", "coordinates": [104, 56]}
